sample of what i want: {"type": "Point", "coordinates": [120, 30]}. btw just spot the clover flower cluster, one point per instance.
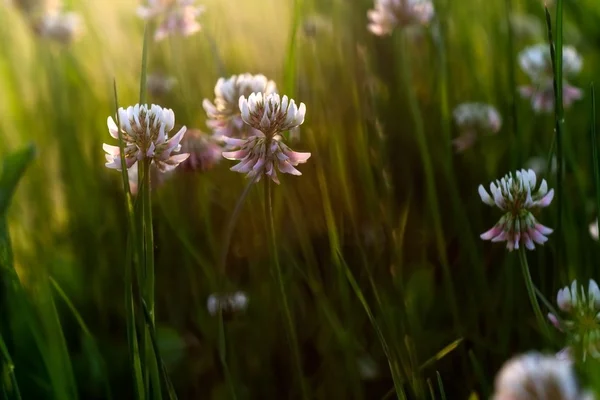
{"type": "Point", "coordinates": [515, 194]}
{"type": "Point", "coordinates": [173, 16]}
{"type": "Point", "coordinates": [474, 119]}
{"type": "Point", "coordinates": [389, 14]}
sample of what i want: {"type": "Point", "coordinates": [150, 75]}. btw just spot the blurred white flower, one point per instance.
{"type": "Point", "coordinates": [516, 196]}
{"type": "Point", "coordinates": [63, 27]}
{"type": "Point", "coordinates": [583, 312]}
{"type": "Point", "coordinates": [203, 149]}
{"type": "Point", "coordinates": [475, 119]}
{"type": "Point", "coordinates": [159, 84]}
{"type": "Point", "coordinates": [535, 61]}
{"type": "Point", "coordinates": [224, 116]}
{"type": "Point", "coordinates": [527, 26]}
{"type": "Point", "coordinates": [539, 165]}
{"type": "Point", "coordinates": [535, 376]}
{"type": "Point", "coordinates": [594, 229]}
{"type": "Point", "coordinates": [389, 14]}
{"type": "Point", "coordinates": [229, 303]}
{"type": "Point", "coordinates": [174, 16]}
{"type": "Point", "coordinates": [145, 135]}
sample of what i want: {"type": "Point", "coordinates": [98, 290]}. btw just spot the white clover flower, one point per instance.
{"type": "Point", "coordinates": [475, 119]}
{"type": "Point", "coordinates": [535, 61]}
{"type": "Point", "coordinates": [224, 117]}
{"type": "Point", "coordinates": [229, 303]}
{"type": "Point", "coordinates": [203, 149]}
{"type": "Point", "coordinates": [145, 135]}
{"type": "Point", "coordinates": [175, 17]}
{"type": "Point", "coordinates": [537, 376]}
{"type": "Point", "coordinates": [389, 14]}
{"type": "Point", "coordinates": [582, 322]}
{"type": "Point", "coordinates": [516, 195]}
{"type": "Point", "coordinates": [594, 229]}
{"type": "Point", "coordinates": [63, 27]}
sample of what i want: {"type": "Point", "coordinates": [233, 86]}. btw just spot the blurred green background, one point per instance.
{"type": "Point", "coordinates": [361, 202]}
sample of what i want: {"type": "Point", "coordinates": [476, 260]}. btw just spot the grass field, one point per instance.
{"type": "Point", "coordinates": [373, 282]}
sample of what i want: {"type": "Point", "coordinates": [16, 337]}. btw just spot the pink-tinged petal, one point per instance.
{"type": "Point", "coordinates": [173, 142]}
{"type": "Point", "coordinates": [287, 168]}
{"type": "Point", "coordinates": [526, 91]}
{"type": "Point", "coordinates": [525, 238]}
{"type": "Point", "coordinates": [235, 155]}
{"type": "Point", "coordinates": [259, 164]}
{"type": "Point", "coordinates": [492, 233]}
{"type": "Point", "coordinates": [546, 200]}
{"type": "Point", "coordinates": [517, 239]}
{"type": "Point", "coordinates": [244, 166]}
{"type": "Point", "coordinates": [537, 236]}
{"type": "Point", "coordinates": [510, 245]}
{"type": "Point", "coordinates": [234, 142]}
{"type": "Point", "coordinates": [544, 230]}
{"type": "Point", "coordinates": [501, 237]}
{"type": "Point", "coordinates": [552, 318]}
{"type": "Point", "coordinates": [177, 159]}
{"type": "Point", "coordinates": [464, 141]}
{"type": "Point", "coordinates": [150, 151]}
{"type": "Point", "coordinates": [112, 128]}
{"type": "Point", "coordinates": [112, 150]}
{"type": "Point", "coordinates": [296, 157]}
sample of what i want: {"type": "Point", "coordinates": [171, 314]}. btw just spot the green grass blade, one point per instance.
{"type": "Point", "coordinates": [12, 391]}
{"type": "Point", "coordinates": [442, 353]}
{"type": "Point", "coordinates": [290, 66]}
{"type": "Point", "coordinates": [143, 73]}
{"type": "Point", "coordinates": [480, 374]}
{"type": "Point", "coordinates": [594, 146]}
{"type": "Point", "coordinates": [431, 390]}
{"type": "Point", "coordinates": [441, 386]}
{"type": "Point", "coordinates": [13, 168]}
{"type": "Point", "coordinates": [164, 375]}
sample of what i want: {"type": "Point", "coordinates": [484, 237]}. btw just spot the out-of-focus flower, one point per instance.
{"type": "Point", "coordinates": [224, 117]}
{"type": "Point", "coordinates": [583, 312]}
{"type": "Point", "coordinates": [475, 119]}
{"type": "Point", "coordinates": [526, 26]}
{"type": "Point", "coordinates": [145, 134]}
{"type": "Point", "coordinates": [389, 14]}
{"type": "Point", "coordinates": [174, 16]}
{"type": "Point", "coordinates": [516, 196]}
{"type": "Point", "coordinates": [203, 149]}
{"type": "Point", "coordinates": [539, 165]}
{"type": "Point", "coordinates": [536, 376]}
{"type": "Point", "coordinates": [594, 229]}
{"type": "Point", "coordinates": [229, 303]}
{"type": "Point", "coordinates": [367, 368]}
{"type": "Point", "coordinates": [34, 8]}
{"type": "Point", "coordinates": [265, 152]}
{"type": "Point", "coordinates": [315, 25]}
{"type": "Point", "coordinates": [535, 61]}
{"type": "Point", "coordinates": [159, 84]}
{"type": "Point", "coordinates": [63, 27]}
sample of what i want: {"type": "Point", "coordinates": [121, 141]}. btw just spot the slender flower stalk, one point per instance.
{"type": "Point", "coordinates": [531, 291]}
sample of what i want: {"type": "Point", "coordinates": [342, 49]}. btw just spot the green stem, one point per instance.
{"type": "Point", "coordinates": [291, 333]}
{"type": "Point", "coordinates": [432, 198]}
{"type": "Point", "coordinates": [148, 239]}
{"type": "Point", "coordinates": [531, 291]}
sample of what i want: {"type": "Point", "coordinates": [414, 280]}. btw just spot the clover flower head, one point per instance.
{"type": "Point", "coordinates": [515, 194]}
{"type": "Point", "coordinates": [537, 376]}
{"type": "Point", "coordinates": [536, 62]}
{"type": "Point", "coordinates": [175, 17]}
{"type": "Point", "coordinates": [63, 27]}
{"type": "Point", "coordinates": [144, 130]}
{"type": "Point", "coordinates": [582, 316]}
{"type": "Point", "coordinates": [474, 119]}
{"type": "Point", "coordinates": [389, 14]}
{"type": "Point", "coordinates": [270, 113]}
{"type": "Point", "coordinates": [203, 149]}
{"type": "Point", "coordinates": [224, 116]}
{"type": "Point", "coordinates": [229, 303]}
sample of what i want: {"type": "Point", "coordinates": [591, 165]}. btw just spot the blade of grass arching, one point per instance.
{"type": "Point", "coordinates": [431, 195]}
{"type": "Point", "coordinates": [13, 167]}
{"type": "Point", "coordinates": [391, 357]}
{"type": "Point", "coordinates": [165, 381]}
{"type": "Point", "coordinates": [594, 145]}
{"type": "Point", "coordinates": [556, 54]}
{"type": "Point", "coordinates": [290, 65]}
{"type": "Point", "coordinates": [85, 330]}
{"type": "Point", "coordinates": [480, 374]}
{"type": "Point", "coordinates": [441, 386]}
{"type": "Point", "coordinates": [442, 353]}
{"type": "Point", "coordinates": [11, 389]}
{"type": "Point", "coordinates": [131, 260]}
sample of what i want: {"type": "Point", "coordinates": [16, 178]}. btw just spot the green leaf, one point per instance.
{"type": "Point", "coordinates": [13, 168]}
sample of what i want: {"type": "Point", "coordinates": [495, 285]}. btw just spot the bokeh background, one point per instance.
{"type": "Point", "coordinates": [361, 202]}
